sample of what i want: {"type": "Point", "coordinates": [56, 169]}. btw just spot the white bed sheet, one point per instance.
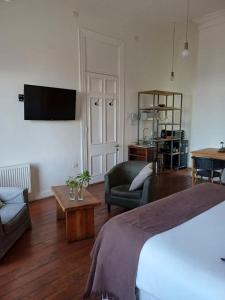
{"type": "Point", "coordinates": [184, 263]}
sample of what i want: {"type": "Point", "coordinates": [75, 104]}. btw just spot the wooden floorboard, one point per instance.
{"type": "Point", "coordinates": [42, 265]}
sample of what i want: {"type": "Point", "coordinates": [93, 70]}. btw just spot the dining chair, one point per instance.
{"type": "Point", "coordinates": [208, 168]}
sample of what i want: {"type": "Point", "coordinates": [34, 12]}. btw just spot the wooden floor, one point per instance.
{"type": "Point", "coordinates": [42, 265]}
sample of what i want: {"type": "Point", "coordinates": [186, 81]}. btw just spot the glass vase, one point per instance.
{"type": "Point", "coordinates": [80, 192]}
{"type": "Point", "coordinates": [72, 193]}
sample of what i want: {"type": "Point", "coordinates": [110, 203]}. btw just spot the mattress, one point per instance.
{"type": "Point", "coordinates": [184, 263]}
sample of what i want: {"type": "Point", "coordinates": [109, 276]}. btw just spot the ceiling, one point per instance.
{"type": "Point", "coordinates": [153, 11]}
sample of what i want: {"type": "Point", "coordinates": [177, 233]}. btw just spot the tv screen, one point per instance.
{"type": "Point", "coordinates": [47, 103]}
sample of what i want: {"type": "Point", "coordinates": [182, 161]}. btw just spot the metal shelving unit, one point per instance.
{"type": "Point", "coordinates": [157, 111]}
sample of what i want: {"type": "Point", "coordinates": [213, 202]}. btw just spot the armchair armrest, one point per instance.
{"type": "Point", "coordinates": [147, 192]}
{"type": "Point", "coordinates": [12, 195]}
{"type": "Point", "coordinates": [113, 178]}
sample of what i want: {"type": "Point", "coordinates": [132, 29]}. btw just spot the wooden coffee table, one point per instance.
{"type": "Point", "coordinates": [79, 215]}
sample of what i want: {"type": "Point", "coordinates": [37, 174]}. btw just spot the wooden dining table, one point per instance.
{"type": "Point", "coordinates": [212, 153]}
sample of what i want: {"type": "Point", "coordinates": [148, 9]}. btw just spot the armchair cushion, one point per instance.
{"type": "Point", "coordinates": [122, 191]}
{"type": "Point", "coordinates": [140, 178]}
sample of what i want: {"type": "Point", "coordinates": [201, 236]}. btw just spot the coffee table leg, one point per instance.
{"type": "Point", "coordinates": [80, 224]}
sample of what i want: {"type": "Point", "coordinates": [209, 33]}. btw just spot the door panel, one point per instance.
{"type": "Point", "coordinates": [111, 160]}
{"type": "Point", "coordinates": [110, 122]}
{"type": "Point", "coordinates": [96, 165]}
{"type": "Point", "coordinates": [96, 85]}
{"type": "Point", "coordinates": [95, 120]}
{"type": "Point", "coordinates": [101, 57]}
{"type": "Point", "coordinates": [110, 86]}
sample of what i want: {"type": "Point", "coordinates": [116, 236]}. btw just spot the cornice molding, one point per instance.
{"type": "Point", "coordinates": [211, 20]}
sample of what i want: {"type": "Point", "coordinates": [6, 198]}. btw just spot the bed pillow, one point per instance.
{"type": "Point", "coordinates": [140, 178]}
{"type": "Point", "coordinates": [1, 204]}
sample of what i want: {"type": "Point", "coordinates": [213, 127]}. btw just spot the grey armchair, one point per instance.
{"type": "Point", "coordinates": [117, 183]}
{"type": "Point", "coordinates": [14, 217]}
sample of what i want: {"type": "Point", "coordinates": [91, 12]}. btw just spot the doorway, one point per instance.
{"type": "Point", "coordinates": [102, 85]}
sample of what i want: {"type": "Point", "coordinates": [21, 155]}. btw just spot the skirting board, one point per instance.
{"type": "Point", "coordinates": [41, 195]}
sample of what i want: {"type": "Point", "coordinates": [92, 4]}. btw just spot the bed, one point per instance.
{"type": "Point", "coordinates": [185, 260]}
{"type": "Point", "coordinates": [166, 250]}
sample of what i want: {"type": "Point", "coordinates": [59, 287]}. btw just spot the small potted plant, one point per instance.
{"type": "Point", "coordinates": [72, 183]}
{"type": "Point", "coordinates": [83, 180]}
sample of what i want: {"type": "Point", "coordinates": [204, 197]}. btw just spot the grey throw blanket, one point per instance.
{"type": "Point", "coordinates": [117, 248]}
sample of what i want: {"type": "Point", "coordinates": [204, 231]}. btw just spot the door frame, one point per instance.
{"type": "Point", "coordinates": [83, 34]}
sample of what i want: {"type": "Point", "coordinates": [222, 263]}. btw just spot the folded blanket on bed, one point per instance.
{"type": "Point", "coordinates": [117, 248]}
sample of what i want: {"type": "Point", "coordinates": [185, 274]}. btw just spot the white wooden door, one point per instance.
{"type": "Point", "coordinates": [104, 136]}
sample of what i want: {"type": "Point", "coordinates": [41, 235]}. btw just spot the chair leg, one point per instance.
{"type": "Point", "coordinates": [109, 207]}
{"type": "Point", "coordinates": [211, 177]}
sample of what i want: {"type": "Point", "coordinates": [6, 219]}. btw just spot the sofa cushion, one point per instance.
{"type": "Point", "coordinates": [140, 178]}
{"type": "Point", "coordinates": [11, 195]}
{"type": "Point", "coordinates": [10, 211]}
{"type": "Point", "coordinates": [122, 191]}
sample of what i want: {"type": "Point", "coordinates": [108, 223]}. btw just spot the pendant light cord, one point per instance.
{"type": "Point", "coordinates": [187, 21]}
{"type": "Point", "coordinates": [173, 45]}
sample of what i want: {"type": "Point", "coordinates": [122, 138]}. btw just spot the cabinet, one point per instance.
{"type": "Point", "coordinates": [144, 153]}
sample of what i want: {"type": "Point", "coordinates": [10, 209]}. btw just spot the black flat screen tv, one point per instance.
{"type": "Point", "coordinates": [47, 103]}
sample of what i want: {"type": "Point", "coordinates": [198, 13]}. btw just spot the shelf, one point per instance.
{"type": "Point", "coordinates": [160, 93]}
{"type": "Point", "coordinates": [176, 153]}
{"type": "Point", "coordinates": [136, 155]}
{"type": "Point", "coordinates": [169, 124]}
{"type": "Point", "coordinates": [145, 146]}
{"type": "Point", "coordinates": [165, 140]}
{"type": "Point", "coordinates": [160, 108]}
{"type": "Point", "coordinates": [153, 109]}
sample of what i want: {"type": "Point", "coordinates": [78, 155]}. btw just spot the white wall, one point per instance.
{"type": "Point", "coordinates": [39, 45]}
{"type": "Point", "coordinates": [208, 121]}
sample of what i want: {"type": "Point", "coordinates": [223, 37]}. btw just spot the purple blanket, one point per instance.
{"type": "Point", "coordinates": [117, 248]}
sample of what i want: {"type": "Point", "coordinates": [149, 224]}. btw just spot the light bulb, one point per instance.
{"type": "Point", "coordinates": [172, 76]}
{"type": "Point", "coordinates": [185, 52]}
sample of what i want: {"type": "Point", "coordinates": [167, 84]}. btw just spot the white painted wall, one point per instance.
{"type": "Point", "coordinates": [39, 45]}
{"type": "Point", "coordinates": [208, 121]}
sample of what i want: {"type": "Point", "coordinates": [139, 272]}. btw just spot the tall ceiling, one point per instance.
{"type": "Point", "coordinates": [153, 11]}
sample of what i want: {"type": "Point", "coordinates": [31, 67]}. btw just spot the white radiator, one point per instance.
{"type": "Point", "coordinates": [16, 176]}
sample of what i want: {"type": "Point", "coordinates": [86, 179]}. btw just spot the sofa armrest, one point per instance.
{"type": "Point", "coordinates": [1, 228]}
{"type": "Point", "coordinates": [148, 189]}
{"type": "Point", "coordinates": [12, 195]}
{"type": "Point", "coordinates": [25, 196]}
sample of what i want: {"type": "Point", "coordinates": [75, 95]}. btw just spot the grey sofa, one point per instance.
{"type": "Point", "coordinates": [14, 216]}
{"type": "Point", "coordinates": [117, 183]}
